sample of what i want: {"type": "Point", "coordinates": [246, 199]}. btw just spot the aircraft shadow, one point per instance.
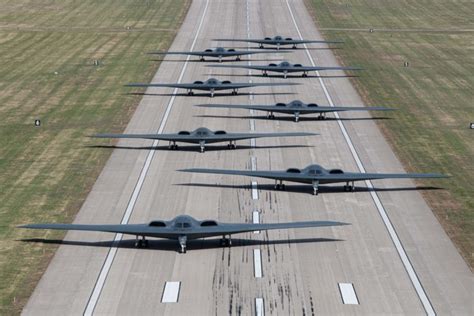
{"type": "Point", "coordinates": [191, 148]}
{"type": "Point", "coordinates": [172, 245]}
{"type": "Point", "coordinates": [292, 119]}
{"type": "Point", "coordinates": [287, 77]}
{"type": "Point", "coordinates": [307, 189]}
{"type": "Point", "coordinates": [206, 94]}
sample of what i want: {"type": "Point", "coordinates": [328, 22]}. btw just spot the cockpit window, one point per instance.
{"type": "Point", "coordinates": [182, 225]}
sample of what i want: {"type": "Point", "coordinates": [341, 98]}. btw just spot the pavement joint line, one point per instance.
{"type": "Point", "coordinates": [386, 220]}
{"type": "Point", "coordinates": [94, 297]}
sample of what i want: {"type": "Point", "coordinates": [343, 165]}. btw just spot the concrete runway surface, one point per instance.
{"type": "Point", "coordinates": [395, 254]}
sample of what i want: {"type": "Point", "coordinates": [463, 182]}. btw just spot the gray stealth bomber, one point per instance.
{"type": "Point", "coordinates": [210, 85]}
{"type": "Point", "coordinates": [183, 228]}
{"type": "Point", "coordinates": [219, 52]}
{"type": "Point", "coordinates": [202, 136]}
{"type": "Point", "coordinates": [296, 108]}
{"type": "Point", "coordinates": [316, 175]}
{"type": "Point", "coordinates": [285, 68]}
{"type": "Point", "coordinates": [275, 41]}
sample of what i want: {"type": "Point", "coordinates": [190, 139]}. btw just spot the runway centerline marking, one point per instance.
{"type": "Point", "coordinates": [93, 299]}
{"type": "Point", "coordinates": [253, 141]}
{"type": "Point", "coordinates": [348, 294]}
{"type": "Point", "coordinates": [259, 307]}
{"type": "Point", "coordinates": [256, 220]}
{"type": "Point", "coordinates": [257, 263]}
{"type": "Point", "coordinates": [386, 220]}
{"type": "Point", "coordinates": [171, 292]}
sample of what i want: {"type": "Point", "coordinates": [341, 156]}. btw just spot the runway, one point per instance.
{"type": "Point", "coordinates": [395, 254]}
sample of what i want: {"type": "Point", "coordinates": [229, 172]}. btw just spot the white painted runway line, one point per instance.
{"type": "Point", "coordinates": [348, 294]}
{"type": "Point", "coordinates": [257, 263]}
{"type": "Point", "coordinates": [256, 220]}
{"type": "Point", "coordinates": [93, 299]}
{"type": "Point", "coordinates": [171, 292]}
{"type": "Point", "coordinates": [259, 308]}
{"type": "Point", "coordinates": [254, 190]}
{"type": "Point", "coordinates": [253, 162]}
{"type": "Point", "coordinates": [391, 230]}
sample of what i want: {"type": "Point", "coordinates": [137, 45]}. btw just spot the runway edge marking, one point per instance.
{"type": "Point", "coordinates": [93, 299]}
{"type": "Point", "coordinates": [388, 224]}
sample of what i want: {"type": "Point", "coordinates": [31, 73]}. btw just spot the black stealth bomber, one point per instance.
{"type": "Point", "coordinates": [203, 136]}
{"type": "Point", "coordinates": [296, 108]}
{"type": "Point", "coordinates": [183, 228]}
{"type": "Point", "coordinates": [275, 41]}
{"type": "Point", "coordinates": [210, 85]}
{"type": "Point", "coordinates": [219, 52]}
{"type": "Point", "coordinates": [285, 68]}
{"type": "Point", "coordinates": [316, 175]}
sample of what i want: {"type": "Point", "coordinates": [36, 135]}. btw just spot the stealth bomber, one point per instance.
{"type": "Point", "coordinates": [285, 68]}
{"type": "Point", "coordinates": [277, 41]}
{"type": "Point", "coordinates": [317, 175]}
{"type": "Point", "coordinates": [296, 108]}
{"type": "Point", "coordinates": [212, 85]}
{"type": "Point", "coordinates": [203, 136]}
{"type": "Point", "coordinates": [219, 53]}
{"type": "Point", "coordinates": [183, 228]}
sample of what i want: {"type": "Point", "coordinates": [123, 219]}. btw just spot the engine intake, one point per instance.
{"type": "Point", "coordinates": [208, 223]}
{"type": "Point", "coordinates": [157, 224]}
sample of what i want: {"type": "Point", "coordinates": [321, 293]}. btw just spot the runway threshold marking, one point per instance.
{"type": "Point", "coordinates": [93, 299]}
{"type": "Point", "coordinates": [348, 294]}
{"type": "Point", "coordinates": [259, 307]}
{"type": "Point", "coordinates": [171, 292]}
{"type": "Point", "coordinates": [386, 220]}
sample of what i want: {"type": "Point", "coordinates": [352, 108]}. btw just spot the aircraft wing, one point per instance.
{"type": "Point", "coordinates": [249, 85]}
{"type": "Point", "coordinates": [245, 40]}
{"type": "Point", "coordinates": [237, 106]}
{"type": "Point", "coordinates": [180, 53]}
{"type": "Point", "coordinates": [168, 85]}
{"type": "Point", "coordinates": [312, 109]}
{"type": "Point", "coordinates": [315, 41]}
{"type": "Point", "coordinates": [350, 176]}
{"type": "Point", "coordinates": [171, 137]}
{"type": "Point", "coordinates": [347, 108]}
{"type": "Point", "coordinates": [321, 68]}
{"type": "Point", "coordinates": [275, 175]}
{"type": "Point", "coordinates": [240, 136]}
{"type": "Point", "coordinates": [131, 229]}
{"type": "Point", "coordinates": [230, 228]}
{"type": "Point", "coordinates": [256, 67]}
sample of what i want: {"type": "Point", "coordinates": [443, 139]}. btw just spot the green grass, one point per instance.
{"type": "Point", "coordinates": [434, 95]}
{"type": "Point", "coordinates": [46, 71]}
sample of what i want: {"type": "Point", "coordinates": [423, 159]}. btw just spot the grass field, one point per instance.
{"type": "Point", "coordinates": [47, 71]}
{"type": "Point", "coordinates": [434, 94]}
